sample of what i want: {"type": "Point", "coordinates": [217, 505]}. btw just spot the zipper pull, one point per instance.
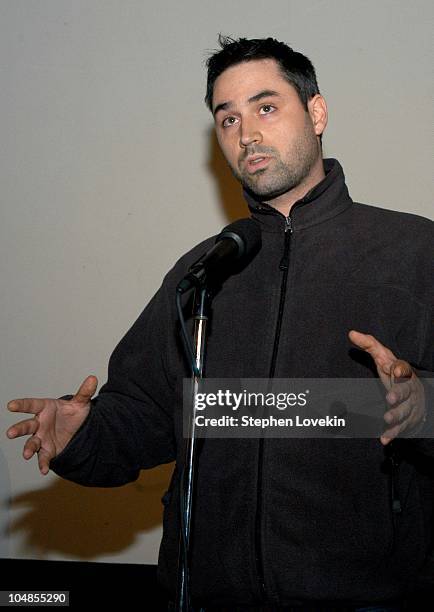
{"type": "Point", "coordinates": [288, 224]}
{"type": "Point", "coordinates": [396, 502]}
{"type": "Point", "coordinates": [284, 262]}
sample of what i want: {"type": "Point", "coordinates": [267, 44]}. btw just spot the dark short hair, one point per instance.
{"type": "Point", "coordinates": [295, 67]}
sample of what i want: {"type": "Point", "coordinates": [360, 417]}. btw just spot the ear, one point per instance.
{"type": "Point", "coordinates": [317, 109]}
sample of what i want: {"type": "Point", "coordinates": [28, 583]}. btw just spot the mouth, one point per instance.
{"type": "Point", "coordinates": [256, 162]}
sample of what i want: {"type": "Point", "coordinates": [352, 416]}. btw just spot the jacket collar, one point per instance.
{"type": "Point", "coordinates": [323, 202]}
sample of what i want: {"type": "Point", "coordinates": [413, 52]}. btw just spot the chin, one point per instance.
{"type": "Point", "coordinates": [265, 193]}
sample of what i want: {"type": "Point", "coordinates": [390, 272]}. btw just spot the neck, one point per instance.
{"type": "Point", "coordinates": [286, 201]}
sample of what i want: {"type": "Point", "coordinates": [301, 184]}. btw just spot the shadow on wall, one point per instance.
{"type": "Point", "coordinates": [84, 522]}
{"type": "Point", "coordinates": [229, 189]}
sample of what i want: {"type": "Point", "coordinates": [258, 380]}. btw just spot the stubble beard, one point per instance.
{"type": "Point", "coordinates": [282, 174]}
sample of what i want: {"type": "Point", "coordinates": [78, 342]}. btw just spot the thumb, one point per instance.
{"type": "Point", "coordinates": [86, 390]}
{"type": "Point", "coordinates": [383, 357]}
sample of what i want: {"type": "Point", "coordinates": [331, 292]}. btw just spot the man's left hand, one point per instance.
{"type": "Point", "coordinates": [405, 392]}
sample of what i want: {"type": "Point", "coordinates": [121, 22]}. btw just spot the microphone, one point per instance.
{"type": "Point", "coordinates": [237, 243]}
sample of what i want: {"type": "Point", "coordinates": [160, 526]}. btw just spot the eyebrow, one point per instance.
{"type": "Point", "coordinates": [265, 93]}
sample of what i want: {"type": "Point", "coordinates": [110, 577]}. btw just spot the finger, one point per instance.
{"type": "Point", "coordinates": [401, 369]}
{"type": "Point", "coordinates": [390, 434]}
{"type": "Point", "coordinates": [86, 390]}
{"type": "Point", "coordinates": [23, 428]}
{"type": "Point", "coordinates": [31, 447]}
{"type": "Point", "coordinates": [382, 356]}
{"type": "Point", "coordinates": [398, 393]}
{"type": "Point", "coordinates": [44, 459]}
{"type": "Point", "coordinates": [31, 405]}
{"type": "Point", "coordinates": [398, 415]}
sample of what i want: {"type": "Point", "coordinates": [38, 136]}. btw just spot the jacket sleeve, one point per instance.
{"type": "Point", "coordinates": [130, 424]}
{"type": "Point", "coordinates": [420, 332]}
{"type": "Point", "coordinates": [424, 438]}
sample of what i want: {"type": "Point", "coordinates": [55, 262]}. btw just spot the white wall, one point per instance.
{"type": "Point", "coordinates": [108, 173]}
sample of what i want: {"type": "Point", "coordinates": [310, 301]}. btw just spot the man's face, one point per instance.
{"type": "Point", "coordinates": [268, 139]}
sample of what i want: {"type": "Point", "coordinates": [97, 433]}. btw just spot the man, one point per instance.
{"type": "Point", "coordinates": [277, 522]}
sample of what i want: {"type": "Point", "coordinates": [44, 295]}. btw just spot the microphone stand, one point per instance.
{"type": "Point", "coordinates": [202, 303]}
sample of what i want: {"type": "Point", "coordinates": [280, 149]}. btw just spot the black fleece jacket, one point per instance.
{"type": "Point", "coordinates": [311, 519]}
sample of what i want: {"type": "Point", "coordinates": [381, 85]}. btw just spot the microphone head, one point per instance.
{"type": "Point", "coordinates": [234, 248]}
{"type": "Point", "coordinates": [247, 234]}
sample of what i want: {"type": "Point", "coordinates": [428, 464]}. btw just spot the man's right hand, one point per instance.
{"type": "Point", "coordinates": [54, 423]}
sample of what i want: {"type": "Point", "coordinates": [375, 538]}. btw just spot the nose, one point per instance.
{"type": "Point", "coordinates": [249, 133]}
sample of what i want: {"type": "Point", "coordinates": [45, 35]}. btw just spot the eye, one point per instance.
{"type": "Point", "coordinates": [266, 109]}
{"type": "Point", "coordinates": [228, 121]}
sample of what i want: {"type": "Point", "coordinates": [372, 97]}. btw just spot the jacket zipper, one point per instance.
{"type": "Point", "coordinates": [394, 495]}
{"type": "Point", "coordinates": [283, 266]}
